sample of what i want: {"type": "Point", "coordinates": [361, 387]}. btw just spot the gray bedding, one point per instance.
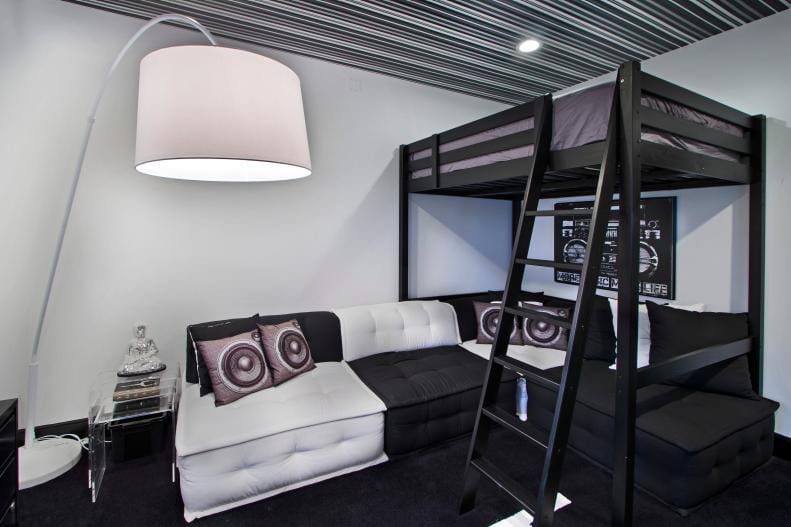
{"type": "Point", "coordinates": [581, 118]}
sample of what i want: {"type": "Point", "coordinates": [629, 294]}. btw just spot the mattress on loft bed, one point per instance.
{"type": "Point", "coordinates": [580, 118]}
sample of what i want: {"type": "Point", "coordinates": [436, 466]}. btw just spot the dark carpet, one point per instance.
{"type": "Point", "coordinates": [417, 490]}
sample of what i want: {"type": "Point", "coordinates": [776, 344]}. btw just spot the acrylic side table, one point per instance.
{"type": "Point", "coordinates": [105, 413]}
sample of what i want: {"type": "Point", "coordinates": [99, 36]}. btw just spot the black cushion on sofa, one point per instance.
{"type": "Point", "coordinates": [403, 378]}
{"type": "Point", "coordinates": [322, 330]}
{"type": "Point", "coordinates": [690, 444]}
{"type": "Point", "coordinates": [524, 296]}
{"type": "Point", "coordinates": [600, 343]}
{"type": "Point", "coordinates": [675, 332]}
{"type": "Point", "coordinates": [431, 395]}
{"type": "Point", "coordinates": [196, 370]}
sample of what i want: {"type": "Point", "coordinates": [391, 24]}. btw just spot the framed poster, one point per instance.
{"type": "Point", "coordinates": [657, 272]}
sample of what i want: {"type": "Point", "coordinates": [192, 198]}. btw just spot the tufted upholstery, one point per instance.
{"type": "Point", "coordinates": [431, 394]}
{"type": "Point", "coordinates": [396, 326]}
{"type": "Point", "coordinates": [689, 444]}
{"type": "Point", "coordinates": [323, 423]}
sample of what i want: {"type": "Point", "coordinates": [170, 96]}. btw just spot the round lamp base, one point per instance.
{"type": "Point", "coordinates": [46, 460]}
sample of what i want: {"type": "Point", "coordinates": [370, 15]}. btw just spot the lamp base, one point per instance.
{"type": "Point", "coordinates": [46, 460]}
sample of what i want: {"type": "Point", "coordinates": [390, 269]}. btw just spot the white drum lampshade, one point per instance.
{"type": "Point", "coordinates": [211, 113]}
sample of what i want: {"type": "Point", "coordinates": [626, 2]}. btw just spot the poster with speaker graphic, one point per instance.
{"type": "Point", "coordinates": [657, 270]}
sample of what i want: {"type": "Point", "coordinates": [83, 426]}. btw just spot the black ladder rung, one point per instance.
{"type": "Point", "coordinates": [537, 314]}
{"type": "Point", "coordinates": [526, 370]}
{"type": "Point", "coordinates": [511, 422]}
{"type": "Point", "coordinates": [549, 263]}
{"type": "Point", "coordinates": [505, 482]}
{"type": "Point", "coordinates": [568, 212]}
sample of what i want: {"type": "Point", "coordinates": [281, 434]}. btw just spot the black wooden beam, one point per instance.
{"type": "Point", "coordinates": [403, 224]}
{"type": "Point", "coordinates": [628, 258]}
{"type": "Point", "coordinates": [757, 249]}
{"type": "Point", "coordinates": [692, 361]}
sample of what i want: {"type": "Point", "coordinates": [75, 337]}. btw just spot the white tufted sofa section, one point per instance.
{"type": "Point", "coordinates": [397, 326]}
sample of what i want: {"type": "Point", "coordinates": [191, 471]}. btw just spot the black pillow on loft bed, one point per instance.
{"type": "Point", "coordinates": [600, 343]}
{"type": "Point", "coordinates": [675, 332]}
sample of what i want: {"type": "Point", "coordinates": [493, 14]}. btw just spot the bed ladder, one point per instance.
{"type": "Point", "coordinates": [489, 414]}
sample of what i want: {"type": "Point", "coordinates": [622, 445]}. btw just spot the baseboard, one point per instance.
{"type": "Point", "coordinates": [77, 426]}
{"type": "Point", "coordinates": [782, 447]}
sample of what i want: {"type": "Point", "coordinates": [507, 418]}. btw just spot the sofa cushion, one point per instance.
{"type": "Point", "coordinates": [688, 419]}
{"type": "Point", "coordinates": [237, 366]}
{"type": "Point", "coordinates": [600, 343]}
{"type": "Point", "coordinates": [431, 395]}
{"type": "Point", "coordinates": [689, 444]}
{"type": "Point", "coordinates": [321, 329]}
{"type": "Point", "coordinates": [675, 332]}
{"type": "Point", "coordinates": [410, 377]}
{"type": "Point", "coordinates": [287, 350]}
{"type": "Point", "coordinates": [396, 326]}
{"type": "Point", "coordinates": [329, 392]}
{"type": "Point", "coordinates": [196, 369]}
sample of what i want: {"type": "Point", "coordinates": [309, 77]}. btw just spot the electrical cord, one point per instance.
{"type": "Point", "coordinates": [72, 437]}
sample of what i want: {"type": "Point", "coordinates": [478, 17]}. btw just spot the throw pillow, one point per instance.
{"type": "Point", "coordinates": [487, 315]}
{"type": "Point", "coordinates": [675, 332]}
{"type": "Point", "coordinates": [545, 334]}
{"type": "Point", "coordinates": [196, 371]}
{"type": "Point", "coordinates": [236, 366]}
{"type": "Point", "coordinates": [600, 342]}
{"type": "Point", "coordinates": [643, 325]}
{"type": "Point", "coordinates": [286, 350]}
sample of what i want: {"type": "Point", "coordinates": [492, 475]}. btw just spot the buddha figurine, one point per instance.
{"type": "Point", "coordinates": [141, 356]}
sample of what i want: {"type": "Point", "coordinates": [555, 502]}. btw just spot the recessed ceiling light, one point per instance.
{"type": "Point", "coordinates": [529, 45]}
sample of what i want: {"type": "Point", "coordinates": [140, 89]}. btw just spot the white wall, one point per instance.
{"type": "Point", "coordinates": [747, 68]}
{"type": "Point", "coordinates": [172, 252]}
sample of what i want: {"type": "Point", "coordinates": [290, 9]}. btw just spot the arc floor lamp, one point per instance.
{"type": "Point", "coordinates": [206, 113]}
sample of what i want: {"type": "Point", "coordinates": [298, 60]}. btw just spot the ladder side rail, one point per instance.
{"type": "Point", "coordinates": [628, 261]}
{"type": "Point", "coordinates": [564, 405]}
{"type": "Point", "coordinates": [538, 166]}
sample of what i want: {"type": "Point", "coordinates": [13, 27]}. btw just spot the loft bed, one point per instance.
{"type": "Point", "coordinates": [639, 134]}
{"type": "Point", "coordinates": [687, 141]}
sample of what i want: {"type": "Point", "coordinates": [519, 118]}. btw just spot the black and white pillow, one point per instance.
{"type": "Point", "coordinates": [286, 350]}
{"type": "Point", "coordinates": [236, 366]}
{"type": "Point", "coordinates": [487, 316]}
{"type": "Point", "coordinates": [545, 334]}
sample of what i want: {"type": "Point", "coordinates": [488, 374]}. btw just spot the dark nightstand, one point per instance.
{"type": "Point", "coordinates": [9, 472]}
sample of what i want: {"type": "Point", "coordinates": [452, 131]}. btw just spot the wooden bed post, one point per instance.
{"type": "Point", "coordinates": [403, 225]}
{"type": "Point", "coordinates": [516, 213]}
{"type": "Point", "coordinates": [628, 84]}
{"type": "Point", "coordinates": [757, 248]}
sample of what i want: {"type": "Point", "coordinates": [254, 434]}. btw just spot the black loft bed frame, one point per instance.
{"type": "Point", "coordinates": [642, 166]}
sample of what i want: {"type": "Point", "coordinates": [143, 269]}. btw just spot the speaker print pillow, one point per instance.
{"type": "Point", "coordinates": [286, 350]}
{"type": "Point", "coordinates": [545, 334]}
{"type": "Point", "coordinates": [487, 315]}
{"type": "Point", "coordinates": [237, 366]}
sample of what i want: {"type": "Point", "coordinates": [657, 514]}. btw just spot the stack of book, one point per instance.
{"type": "Point", "coordinates": [134, 395]}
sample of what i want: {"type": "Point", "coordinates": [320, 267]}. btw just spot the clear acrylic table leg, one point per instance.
{"type": "Point", "coordinates": [98, 457]}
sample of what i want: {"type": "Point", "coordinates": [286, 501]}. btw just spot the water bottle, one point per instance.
{"type": "Point", "coordinates": [521, 398]}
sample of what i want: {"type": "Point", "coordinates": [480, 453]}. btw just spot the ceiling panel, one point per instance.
{"type": "Point", "coordinates": [467, 45]}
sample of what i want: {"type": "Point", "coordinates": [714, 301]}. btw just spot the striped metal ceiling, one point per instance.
{"type": "Point", "coordinates": [467, 45]}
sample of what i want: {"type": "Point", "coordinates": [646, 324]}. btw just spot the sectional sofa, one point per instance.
{"type": "Point", "coordinates": [394, 378]}
{"type": "Point", "coordinates": [389, 379]}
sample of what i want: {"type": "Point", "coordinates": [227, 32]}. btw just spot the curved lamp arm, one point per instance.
{"type": "Point", "coordinates": [32, 385]}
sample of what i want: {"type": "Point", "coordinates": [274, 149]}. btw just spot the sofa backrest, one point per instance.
{"type": "Point", "coordinates": [396, 326]}
{"type": "Point", "coordinates": [322, 331]}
